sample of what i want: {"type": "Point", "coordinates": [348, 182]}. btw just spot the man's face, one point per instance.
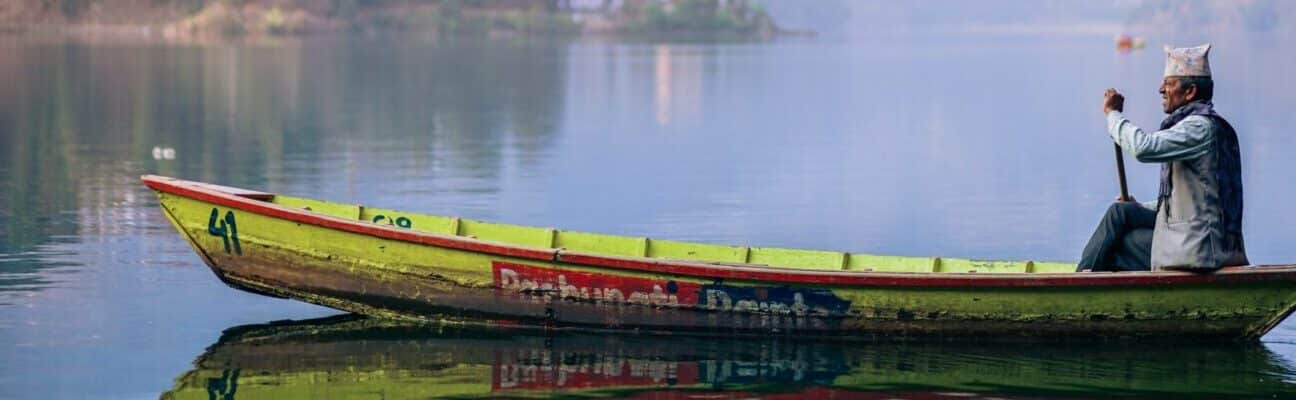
{"type": "Point", "coordinates": [1175, 94]}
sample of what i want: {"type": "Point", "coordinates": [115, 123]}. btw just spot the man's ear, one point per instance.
{"type": "Point", "coordinates": [1190, 92]}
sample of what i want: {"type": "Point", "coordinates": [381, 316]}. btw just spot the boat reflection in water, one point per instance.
{"type": "Point", "coordinates": [346, 356]}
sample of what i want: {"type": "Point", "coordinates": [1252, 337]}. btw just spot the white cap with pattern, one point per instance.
{"type": "Point", "coordinates": [1187, 61]}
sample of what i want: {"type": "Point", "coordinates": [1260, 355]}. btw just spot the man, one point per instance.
{"type": "Point", "coordinates": [1196, 222]}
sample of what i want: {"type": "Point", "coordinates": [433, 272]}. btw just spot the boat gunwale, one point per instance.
{"type": "Point", "coordinates": [697, 269]}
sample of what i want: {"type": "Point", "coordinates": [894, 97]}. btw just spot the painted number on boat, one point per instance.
{"type": "Point", "coordinates": [227, 230]}
{"type": "Point", "coordinates": [398, 221]}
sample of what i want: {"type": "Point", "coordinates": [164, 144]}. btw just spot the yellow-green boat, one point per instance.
{"type": "Point", "coordinates": [398, 264]}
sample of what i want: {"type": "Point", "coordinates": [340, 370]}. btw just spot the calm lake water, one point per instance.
{"type": "Point", "coordinates": [980, 146]}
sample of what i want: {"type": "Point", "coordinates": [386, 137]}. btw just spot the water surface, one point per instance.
{"type": "Point", "coordinates": [977, 146]}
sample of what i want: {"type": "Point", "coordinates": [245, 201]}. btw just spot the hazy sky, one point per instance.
{"type": "Point", "coordinates": [861, 17]}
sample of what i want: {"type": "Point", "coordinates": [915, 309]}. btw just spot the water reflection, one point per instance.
{"type": "Point", "coordinates": [79, 123]}
{"type": "Point", "coordinates": [354, 357]}
{"type": "Point", "coordinates": [677, 84]}
{"type": "Point", "coordinates": [870, 146]}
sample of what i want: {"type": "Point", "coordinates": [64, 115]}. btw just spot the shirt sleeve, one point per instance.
{"type": "Point", "coordinates": [1188, 139]}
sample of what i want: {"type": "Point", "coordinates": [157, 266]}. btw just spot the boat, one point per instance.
{"type": "Point", "coordinates": [349, 356]}
{"type": "Point", "coordinates": [402, 265]}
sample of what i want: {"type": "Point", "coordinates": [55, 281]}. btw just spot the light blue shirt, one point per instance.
{"type": "Point", "coordinates": [1190, 138]}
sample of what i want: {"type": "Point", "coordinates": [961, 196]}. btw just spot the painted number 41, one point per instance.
{"type": "Point", "coordinates": [227, 231]}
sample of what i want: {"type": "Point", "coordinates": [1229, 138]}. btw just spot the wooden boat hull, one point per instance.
{"type": "Point", "coordinates": [373, 269]}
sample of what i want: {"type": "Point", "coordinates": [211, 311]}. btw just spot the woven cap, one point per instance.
{"type": "Point", "coordinates": [1187, 61]}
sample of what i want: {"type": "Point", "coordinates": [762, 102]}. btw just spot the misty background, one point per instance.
{"type": "Point", "coordinates": [860, 18]}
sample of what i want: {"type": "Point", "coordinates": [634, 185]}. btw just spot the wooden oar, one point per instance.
{"type": "Point", "coordinates": [1120, 170]}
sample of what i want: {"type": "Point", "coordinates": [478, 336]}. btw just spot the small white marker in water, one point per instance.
{"type": "Point", "coordinates": [163, 153]}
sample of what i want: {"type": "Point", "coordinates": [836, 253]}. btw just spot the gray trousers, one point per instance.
{"type": "Point", "coordinates": [1122, 241]}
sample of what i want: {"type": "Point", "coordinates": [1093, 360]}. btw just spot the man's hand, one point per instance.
{"type": "Point", "coordinates": [1121, 199]}
{"type": "Point", "coordinates": [1113, 101]}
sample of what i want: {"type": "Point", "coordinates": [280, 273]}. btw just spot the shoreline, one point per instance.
{"type": "Point", "coordinates": [255, 20]}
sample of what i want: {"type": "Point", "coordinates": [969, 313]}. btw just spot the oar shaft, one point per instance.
{"type": "Point", "coordinates": [1120, 171]}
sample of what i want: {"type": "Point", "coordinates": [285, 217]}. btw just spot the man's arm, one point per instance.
{"type": "Point", "coordinates": [1188, 139]}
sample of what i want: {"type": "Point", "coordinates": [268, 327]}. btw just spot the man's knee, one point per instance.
{"type": "Point", "coordinates": [1126, 206]}
{"type": "Point", "coordinates": [1114, 212]}
{"type": "Point", "coordinates": [1123, 209]}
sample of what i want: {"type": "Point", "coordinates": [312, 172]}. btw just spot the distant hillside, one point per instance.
{"type": "Point", "coordinates": [732, 18]}
{"type": "Point", "coordinates": [184, 18]}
